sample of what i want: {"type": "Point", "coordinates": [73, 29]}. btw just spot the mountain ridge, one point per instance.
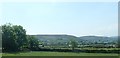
{"type": "Point", "coordinates": [63, 39]}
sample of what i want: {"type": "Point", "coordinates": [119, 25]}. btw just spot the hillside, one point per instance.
{"type": "Point", "coordinates": [55, 39]}
{"type": "Point", "coordinates": [64, 39]}
{"type": "Point", "coordinates": [98, 39]}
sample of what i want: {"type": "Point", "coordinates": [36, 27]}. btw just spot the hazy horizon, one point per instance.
{"type": "Point", "coordinates": [75, 18]}
{"type": "Point", "coordinates": [74, 35]}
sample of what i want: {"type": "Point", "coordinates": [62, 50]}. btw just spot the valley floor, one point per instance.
{"type": "Point", "coordinates": [44, 53]}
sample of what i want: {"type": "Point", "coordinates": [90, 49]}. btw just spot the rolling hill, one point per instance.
{"type": "Point", "coordinates": [64, 39]}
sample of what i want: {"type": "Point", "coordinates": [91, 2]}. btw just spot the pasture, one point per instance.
{"type": "Point", "coordinates": [45, 53]}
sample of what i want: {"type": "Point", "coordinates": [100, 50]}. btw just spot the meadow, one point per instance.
{"type": "Point", "coordinates": [46, 53]}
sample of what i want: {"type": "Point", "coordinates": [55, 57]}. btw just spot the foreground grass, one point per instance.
{"type": "Point", "coordinates": [42, 53]}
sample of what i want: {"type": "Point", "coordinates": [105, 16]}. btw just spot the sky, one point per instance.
{"type": "Point", "coordinates": [72, 18]}
{"type": "Point", "coordinates": [59, 0]}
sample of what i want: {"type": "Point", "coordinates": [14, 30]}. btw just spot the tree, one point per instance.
{"type": "Point", "coordinates": [8, 38]}
{"type": "Point", "coordinates": [73, 44]}
{"type": "Point", "coordinates": [13, 37]}
{"type": "Point", "coordinates": [33, 43]}
{"type": "Point", "coordinates": [20, 36]}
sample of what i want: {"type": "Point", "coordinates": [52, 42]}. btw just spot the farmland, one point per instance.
{"type": "Point", "coordinates": [15, 42]}
{"type": "Point", "coordinates": [44, 53]}
{"type": "Point", "coordinates": [66, 52]}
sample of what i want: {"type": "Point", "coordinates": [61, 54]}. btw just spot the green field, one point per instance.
{"type": "Point", "coordinates": [56, 54]}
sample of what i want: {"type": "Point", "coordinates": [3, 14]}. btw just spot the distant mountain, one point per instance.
{"type": "Point", "coordinates": [64, 39]}
{"type": "Point", "coordinates": [55, 39]}
{"type": "Point", "coordinates": [98, 39]}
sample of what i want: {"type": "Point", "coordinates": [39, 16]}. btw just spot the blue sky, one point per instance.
{"type": "Point", "coordinates": [73, 18]}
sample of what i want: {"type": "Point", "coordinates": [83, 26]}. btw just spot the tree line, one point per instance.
{"type": "Point", "coordinates": [14, 38]}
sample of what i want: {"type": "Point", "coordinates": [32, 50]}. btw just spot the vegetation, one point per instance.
{"type": "Point", "coordinates": [14, 38]}
{"type": "Point", "coordinates": [73, 44]}
{"type": "Point", "coordinates": [44, 53]}
{"type": "Point", "coordinates": [33, 43]}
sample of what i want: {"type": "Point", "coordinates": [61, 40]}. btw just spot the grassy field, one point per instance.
{"type": "Point", "coordinates": [42, 53]}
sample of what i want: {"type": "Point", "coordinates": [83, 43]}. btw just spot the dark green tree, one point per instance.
{"type": "Point", "coordinates": [13, 37]}
{"type": "Point", "coordinates": [33, 43]}
{"type": "Point", "coordinates": [9, 42]}
{"type": "Point", "coordinates": [73, 44]}
{"type": "Point", "coordinates": [20, 36]}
